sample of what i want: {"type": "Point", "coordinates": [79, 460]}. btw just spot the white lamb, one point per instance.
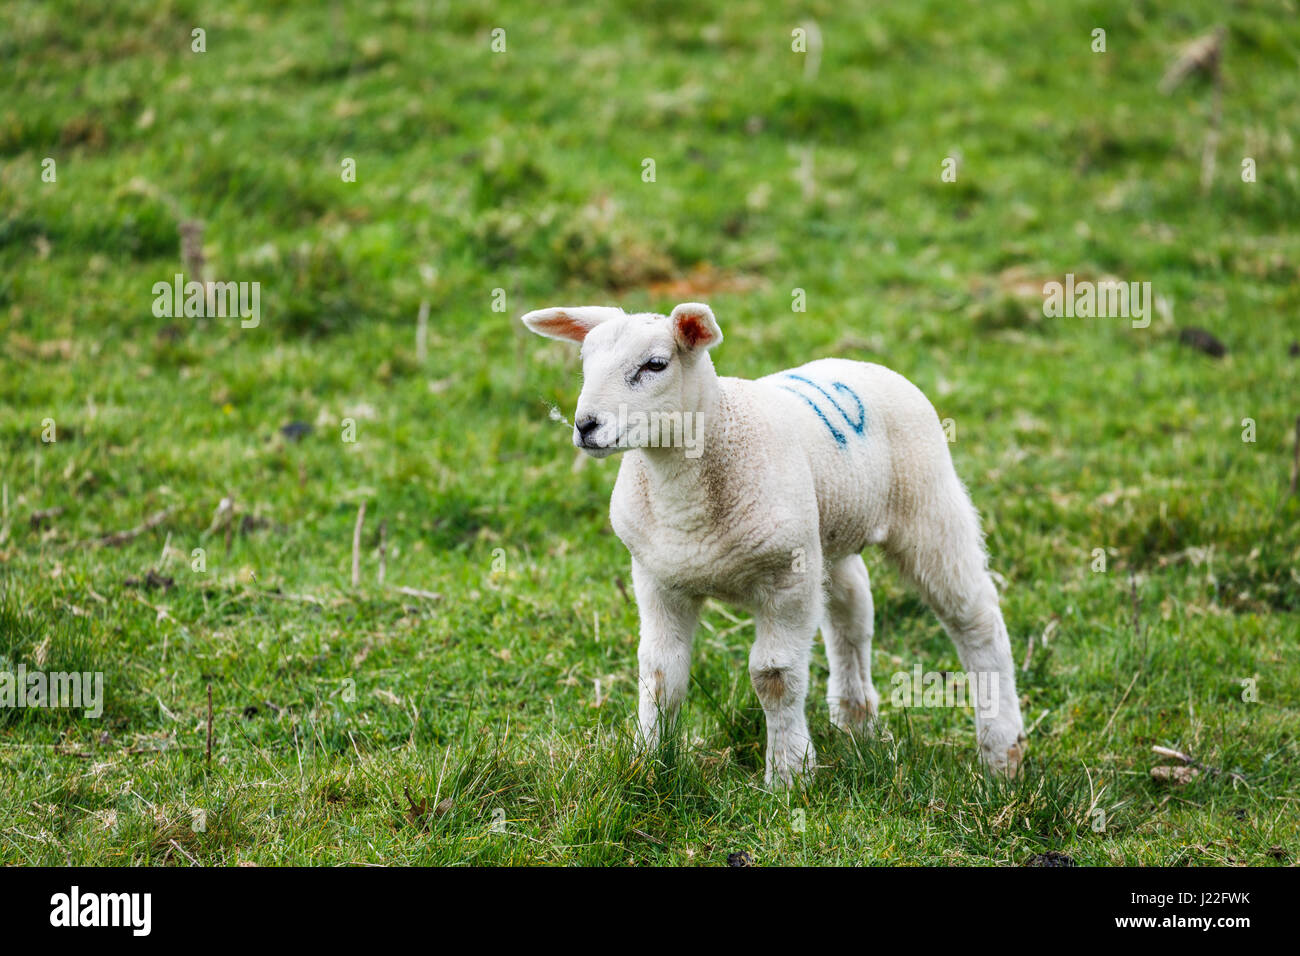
{"type": "Point", "coordinates": [763, 493]}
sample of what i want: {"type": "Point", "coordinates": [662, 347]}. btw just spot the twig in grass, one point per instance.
{"type": "Point", "coordinates": [422, 332]}
{"type": "Point", "coordinates": [356, 545]}
{"type": "Point", "coordinates": [1034, 726]}
{"type": "Point", "coordinates": [181, 851]}
{"type": "Point", "coordinates": [714, 605]}
{"type": "Point", "coordinates": [1105, 729]}
{"type": "Point", "coordinates": [437, 790]}
{"type": "Point", "coordinates": [166, 713]}
{"type": "Point", "coordinates": [162, 558]}
{"type": "Point", "coordinates": [39, 518]}
{"type": "Point", "coordinates": [1203, 55]}
{"type": "Point", "coordinates": [416, 592]}
{"type": "Point", "coordinates": [622, 588]}
{"type": "Point", "coordinates": [220, 517]}
{"type": "Point", "coordinates": [279, 596]}
{"type": "Point", "coordinates": [734, 628]}
{"type": "Point", "coordinates": [118, 538]}
{"type": "Point", "coordinates": [209, 751]}
{"type": "Point", "coordinates": [1210, 152]}
{"type": "Point", "coordinates": [1190, 761]}
{"type": "Point", "coordinates": [383, 551]}
{"type": "Point", "coordinates": [1050, 629]}
{"type": "Point", "coordinates": [645, 836]}
{"type": "Point", "coordinates": [1047, 633]}
{"type": "Point", "coordinates": [160, 611]}
{"type": "Point", "coordinates": [191, 231]}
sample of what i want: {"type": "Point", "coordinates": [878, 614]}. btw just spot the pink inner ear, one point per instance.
{"type": "Point", "coordinates": [692, 329]}
{"type": "Point", "coordinates": [565, 327]}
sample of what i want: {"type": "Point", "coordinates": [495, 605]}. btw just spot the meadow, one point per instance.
{"type": "Point", "coordinates": [181, 493]}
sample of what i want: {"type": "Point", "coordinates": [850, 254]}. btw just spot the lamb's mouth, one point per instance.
{"type": "Point", "coordinates": [599, 451]}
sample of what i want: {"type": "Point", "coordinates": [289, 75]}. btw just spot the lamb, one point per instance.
{"type": "Point", "coordinates": [791, 477]}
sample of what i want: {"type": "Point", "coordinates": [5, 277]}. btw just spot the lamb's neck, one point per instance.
{"type": "Point", "coordinates": [679, 473]}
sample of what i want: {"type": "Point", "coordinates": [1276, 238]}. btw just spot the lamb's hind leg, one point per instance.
{"type": "Point", "coordinates": [854, 702]}
{"type": "Point", "coordinates": [941, 551]}
{"type": "Point", "coordinates": [778, 668]}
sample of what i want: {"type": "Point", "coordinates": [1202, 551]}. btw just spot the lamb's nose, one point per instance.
{"type": "Point", "coordinates": [586, 427]}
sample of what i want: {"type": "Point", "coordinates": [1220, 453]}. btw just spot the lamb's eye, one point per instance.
{"type": "Point", "coordinates": [654, 365]}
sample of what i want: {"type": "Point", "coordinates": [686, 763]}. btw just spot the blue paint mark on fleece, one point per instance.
{"type": "Point", "coordinates": [859, 427]}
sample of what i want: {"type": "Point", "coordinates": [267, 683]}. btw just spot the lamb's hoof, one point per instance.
{"type": "Point", "coordinates": [1006, 761]}
{"type": "Point", "coordinates": [785, 767]}
{"type": "Point", "coordinates": [855, 718]}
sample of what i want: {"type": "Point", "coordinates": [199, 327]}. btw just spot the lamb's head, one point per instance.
{"type": "Point", "coordinates": [641, 374]}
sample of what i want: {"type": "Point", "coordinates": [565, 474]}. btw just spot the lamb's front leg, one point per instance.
{"type": "Point", "coordinates": [778, 668]}
{"type": "Point", "coordinates": [668, 620]}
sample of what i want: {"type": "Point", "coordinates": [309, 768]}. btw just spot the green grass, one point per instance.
{"type": "Point", "coordinates": [521, 171]}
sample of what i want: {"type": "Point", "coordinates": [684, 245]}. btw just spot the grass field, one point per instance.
{"type": "Point", "coordinates": [489, 720]}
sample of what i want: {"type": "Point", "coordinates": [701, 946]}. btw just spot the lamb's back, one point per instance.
{"type": "Point", "coordinates": [870, 436]}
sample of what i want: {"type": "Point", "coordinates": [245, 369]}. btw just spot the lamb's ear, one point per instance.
{"type": "Point", "coordinates": [694, 326]}
{"type": "Point", "coordinates": [570, 324]}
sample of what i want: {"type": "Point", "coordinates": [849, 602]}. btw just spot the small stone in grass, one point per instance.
{"type": "Point", "coordinates": [1202, 341]}
{"type": "Point", "coordinates": [1051, 858]}
{"type": "Point", "coordinates": [739, 859]}
{"type": "Point", "coordinates": [1175, 775]}
{"type": "Point", "coordinates": [295, 431]}
{"type": "Point", "coordinates": [152, 581]}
